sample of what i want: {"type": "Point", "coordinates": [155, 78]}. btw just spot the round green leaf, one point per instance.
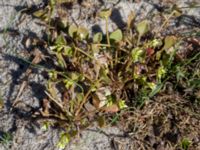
{"type": "Point", "coordinates": [116, 35]}
{"type": "Point", "coordinates": [105, 13]}
{"type": "Point", "coordinates": [82, 33]}
{"type": "Point", "coordinates": [97, 37]}
{"type": "Point", "coordinates": [169, 42]}
{"type": "Point", "coordinates": [142, 27]}
{"type": "Point", "coordinates": [72, 30]}
{"type": "Point", "coordinates": [67, 51]}
{"type": "Point", "coordinates": [60, 40]}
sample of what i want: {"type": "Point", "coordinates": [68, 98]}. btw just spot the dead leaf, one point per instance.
{"type": "Point", "coordinates": [46, 106]}
{"type": "Point", "coordinates": [101, 121]}
{"type": "Point", "coordinates": [38, 56]}
{"type": "Point", "coordinates": [95, 101]}
{"type": "Point", "coordinates": [130, 21]}
{"type": "Point", "coordinates": [28, 42]}
{"type": "Point", "coordinates": [66, 98]}
{"type": "Point", "coordinates": [89, 107]}
{"type": "Point", "coordinates": [111, 109]}
{"type": "Point", "coordinates": [1, 103]}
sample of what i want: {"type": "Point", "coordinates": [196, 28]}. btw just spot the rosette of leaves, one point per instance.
{"type": "Point", "coordinates": [98, 75]}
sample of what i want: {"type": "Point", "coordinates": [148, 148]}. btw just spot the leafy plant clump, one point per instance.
{"type": "Point", "coordinates": [5, 139]}
{"type": "Point", "coordinates": [99, 75]}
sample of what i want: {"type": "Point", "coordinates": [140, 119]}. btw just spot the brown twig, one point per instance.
{"type": "Point", "coordinates": [83, 102]}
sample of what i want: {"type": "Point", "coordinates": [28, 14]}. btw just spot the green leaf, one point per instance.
{"type": "Point", "coordinates": [195, 83]}
{"type": "Point", "coordinates": [60, 40]}
{"type": "Point", "coordinates": [156, 43]}
{"type": "Point", "coordinates": [52, 3]}
{"type": "Point", "coordinates": [116, 35]}
{"type": "Point", "coordinates": [72, 30]}
{"type": "Point", "coordinates": [74, 76]}
{"type": "Point", "coordinates": [137, 54]}
{"type": "Point", "coordinates": [167, 52]}
{"type": "Point", "coordinates": [67, 51]}
{"type": "Point", "coordinates": [115, 119]}
{"type": "Point", "coordinates": [185, 143]}
{"type": "Point", "coordinates": [97, 37]}
{"type": "Point", "coordinates": [5, 138]}
{"type": "Point", "coordinates": [122, 104]}
{"type": "Point", "coordinates": [156, 90]}
{"type": "Point", "coordinates": [142, 27]}
{"type": "Point", "coordinates": [169, 42]}
{"type": "Point", "coordinates": [165, 61]}
{"type": "Point", "coordinates": [105, 13]}
{"type": "Point", "coordinates": [161, 72]}
{"type": "Point", "coordinates": [180, 73]}
{"type": "Point", "coordinates": [151, 85]}
{"type": "Point", "coordinates": [82, 33]}
{"type": "Point", "coordinates": [79, 97]}
{"type": "Point", "coordinates": [45, 126]}
{"type": "Point", "coordinates": [159, 54]}
{"type": "Point", "coordinates": [40, 13]}
{"type": "Point", "coordinates": [53, 75]}
{"type": "Point", "coordinates": [64, 140]}
{"type": "Point", "coordinates": [61, 60]}
{"type": "Point", "coordinates": [95, 48]}
{"type": "Point", "coordinates": [68, 83]}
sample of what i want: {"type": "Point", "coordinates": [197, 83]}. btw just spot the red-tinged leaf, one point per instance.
{"type": "Point", "coordinates": [95, 101]}
{"type": "Point", "coordinates": [194, 41]}
{"type": "Point", "coordinates": [149, 51]}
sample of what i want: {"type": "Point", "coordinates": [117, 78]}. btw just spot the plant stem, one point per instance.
{"type": "Point", "coordinates": [138, 41]}
{"type": "Point", "coordinates": [83, 102]}
{"type": "Point", "coordinates": [107, 33]}
{"type": "Point", "coordinates": [80, 50]}
{"type": "Point", "coordinates": [165, 22]}
{"type": "Point", "coordinates": [116, 56]}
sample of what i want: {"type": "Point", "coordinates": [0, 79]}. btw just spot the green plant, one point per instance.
{"type": "Point", "coordinates": [99, 75]}
{"type": "Point", "coordinates": [185, 143]}
{"type": "Point", "coordinates": [6, 139]}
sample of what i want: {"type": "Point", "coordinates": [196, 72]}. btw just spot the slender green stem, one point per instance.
{"type": "Point", "coordinates": [105, 45]}
{"type": "Point", "coordinates": [138, 41]}
{"type": "Point", "coordinates": [80, 50]}
{"type": "Point", "coordinates": [107, 33]}
{"type": "Point", "coordinates": [193, 58]}
{"type": "Point", "coordinates": [76, 83]}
